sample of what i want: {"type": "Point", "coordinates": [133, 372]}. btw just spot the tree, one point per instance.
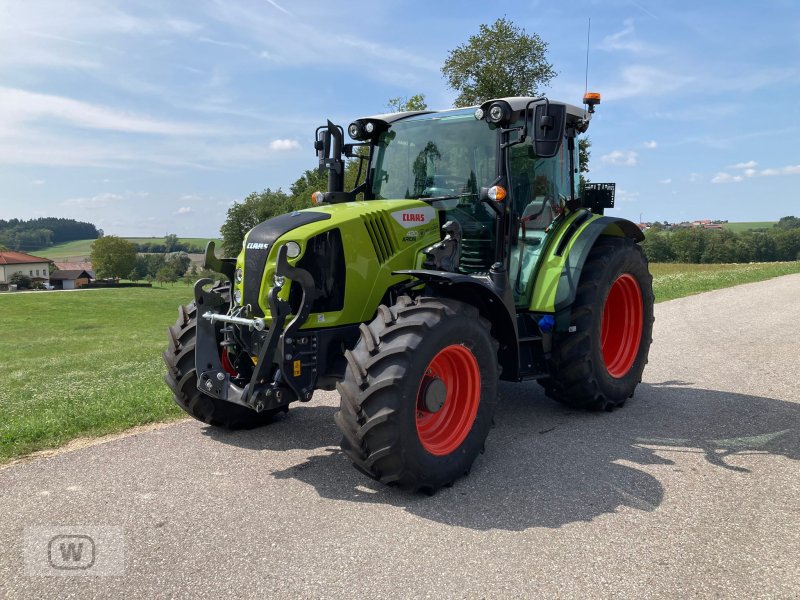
{"type": "Point", "coordinates": [166, 275]}
{"type": "Point", "coordinates": [501, 60]}
{"type": "Point", "coordinates": [179, 263]}
{"type": "Point", "coordinates": [254, 209]}
{"type": "Point", "coordinates": [171, 243]}
{"type": "Point", "coordinates": [112, 256]}
{"type": "Point", "coordinates": [790, 222]}
{"type": "Point", "coordinates": [403, 104]}
{"type": "Point", "coordinates": [584, 154]}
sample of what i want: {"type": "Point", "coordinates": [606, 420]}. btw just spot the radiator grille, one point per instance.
{"type": "Point", "coordinates": [380, 233]}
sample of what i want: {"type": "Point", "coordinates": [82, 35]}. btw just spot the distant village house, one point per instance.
{"type": "Point", "coordinates": [35, 267]}
{"type": "Point", "coordinates": [70, 279]}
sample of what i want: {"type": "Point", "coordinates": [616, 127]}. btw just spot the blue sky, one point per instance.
{"type": "Point", "coordinates": [149, 118]}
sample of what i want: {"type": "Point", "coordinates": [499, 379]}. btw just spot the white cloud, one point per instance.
{"type": "Point", "coordinates": [38, 182]}
{"type": "Point", "coordinates": [744, 165]}
{"type": "Point", "coordinates": [651, 145]}
{"type": "Point", "coordinates": [625, 158]}
{"type": "Point", "coordinates": [750, 172]}
{"type": "Point", "coordinates": [665, 181]}
{"type": "Point", "coordinates": [626, 40]}
{"type": "Point", "coordinates": [279, 7]}
{"type": "Point", "coordinates": [645, 80]}
{"type": "Point", "coordinates": [284, 145]}
{"type": "Point", "coordinates": [788, 170]}
{"type": "Point", "coordinates": [20, 105]}
{"type": "Point", "coordinates": [96, 201]}
{"type": "Point", "coordinates": [184, 210]}
{"type": "Point", "coordinates": [726, 178]}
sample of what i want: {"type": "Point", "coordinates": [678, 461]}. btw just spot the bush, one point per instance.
{"type": "Point", "coordinates": [22, 281]}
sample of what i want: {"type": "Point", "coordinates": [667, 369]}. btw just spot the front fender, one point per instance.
{"type": "Point", "coordinates": [494, 301]}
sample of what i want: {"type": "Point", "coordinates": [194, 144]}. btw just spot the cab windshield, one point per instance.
{"type": "Point", "coordinates": [434, 156]}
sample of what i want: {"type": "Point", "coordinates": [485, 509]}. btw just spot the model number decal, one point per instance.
{"type": "Point", "coordinates": [414, 217]}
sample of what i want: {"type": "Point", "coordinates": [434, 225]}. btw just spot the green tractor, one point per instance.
{"type": "Point", "coordinates": [466, 253]}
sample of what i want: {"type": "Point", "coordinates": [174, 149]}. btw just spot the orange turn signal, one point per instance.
{"type": "Point", "coordinates": [497, 193]}
{"type": "Point", "coordinates": [317, 198]}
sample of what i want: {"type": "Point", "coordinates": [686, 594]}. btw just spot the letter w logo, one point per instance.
{"type": "Point", "coordinates": [71, 552]}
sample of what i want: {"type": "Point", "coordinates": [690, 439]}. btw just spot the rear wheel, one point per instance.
{"type": "Point", "coordinates": [599, 365]}
{"type": "Point", "coordinates": [419, 393]}
{"type": "Point", "coordinates": [181, 377]}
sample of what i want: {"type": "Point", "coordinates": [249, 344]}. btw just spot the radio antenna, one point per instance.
{"type": "Point", "coordinates": [588, 33]}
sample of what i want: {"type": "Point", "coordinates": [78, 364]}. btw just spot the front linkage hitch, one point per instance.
{"type": "Point", "coordinates": [293, 356]}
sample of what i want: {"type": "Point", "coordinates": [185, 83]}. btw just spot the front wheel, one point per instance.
{"type": "Point", "coordinates": [599, 364]}
{"type": "Point", "coordinates": [419, 393]}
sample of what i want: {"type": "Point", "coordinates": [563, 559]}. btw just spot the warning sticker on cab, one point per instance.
{"type": "Point", "coordinates": [296, 369]}
{"type": "Point", "coordinates": [415, 217]}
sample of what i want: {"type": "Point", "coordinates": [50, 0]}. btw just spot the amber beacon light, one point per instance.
{"type": "Point", "coordinates": [590, 99]}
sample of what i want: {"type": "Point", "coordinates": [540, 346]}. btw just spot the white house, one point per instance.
{"type": "Point", "coordinates": [35, 267]}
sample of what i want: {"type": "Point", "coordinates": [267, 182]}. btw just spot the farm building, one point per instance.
{"type": "Point", "coordinates": [69, 280]}
{"type": "Point", "coordinates": [35, 267]}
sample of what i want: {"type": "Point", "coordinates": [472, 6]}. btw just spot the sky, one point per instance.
{"type": "Point", "coordinates": [148, 118]}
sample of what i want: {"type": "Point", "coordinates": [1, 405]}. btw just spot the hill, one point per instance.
{"type": "Point", "coordinates": [80, 249]}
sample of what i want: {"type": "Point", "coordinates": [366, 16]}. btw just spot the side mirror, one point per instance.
{"type": "Point", "coordinates": [548, 129]}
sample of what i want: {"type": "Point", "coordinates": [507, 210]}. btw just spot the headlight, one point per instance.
{"type": "Point", "coordinates": [292, 249]}
{"type": "Point", "coordinates": [237, 296]}
{"type": "Point", "coordinates": [354, 131]}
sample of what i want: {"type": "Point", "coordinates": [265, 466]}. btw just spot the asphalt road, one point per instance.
{"type": "Point", "coordinates": [691, 489]}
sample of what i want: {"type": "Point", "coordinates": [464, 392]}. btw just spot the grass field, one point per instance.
{"type": "Point", "coordinates": [82, 248]}
{"type": "Point", "coordinates": [87, 363]}
{"type": "Point", "coordinates": [675, 280]}
{"type": "Point", "coordinates": [746, 226]}
{"type": "Point", "coordinates": [83, 363]}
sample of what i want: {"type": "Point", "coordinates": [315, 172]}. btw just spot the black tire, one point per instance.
{"type": "Point", "coordinates": [579, 375]}
{"type": "Point", "coordinates": [380, 409]}
{"type": "Point", "coordinates": [181, 377]}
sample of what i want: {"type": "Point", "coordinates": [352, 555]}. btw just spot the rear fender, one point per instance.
{"type": "Point", "coordinates": [553, 296]}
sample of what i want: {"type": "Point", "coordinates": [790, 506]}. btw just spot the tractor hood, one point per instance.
{"type": "Point", "coordinates": [343, 247]}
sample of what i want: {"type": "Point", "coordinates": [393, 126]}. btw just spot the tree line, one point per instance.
{"type": "Point", "coordinates": [698, 245]}
{"type": "Point", "coordinates": [170, 244]}
{"type": "Point", "coordinates": [36, 234]}
{"type": "Point", "coordinates": [114, 257]}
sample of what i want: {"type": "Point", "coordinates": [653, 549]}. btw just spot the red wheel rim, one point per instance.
{"type": "Point", "coordinates": [443, 431]}
{"type": "Point", "coordinates": [621, 328]}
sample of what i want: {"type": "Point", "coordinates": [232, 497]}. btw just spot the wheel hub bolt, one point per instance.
{"type": "Point", "coordinates": [220, 376]}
